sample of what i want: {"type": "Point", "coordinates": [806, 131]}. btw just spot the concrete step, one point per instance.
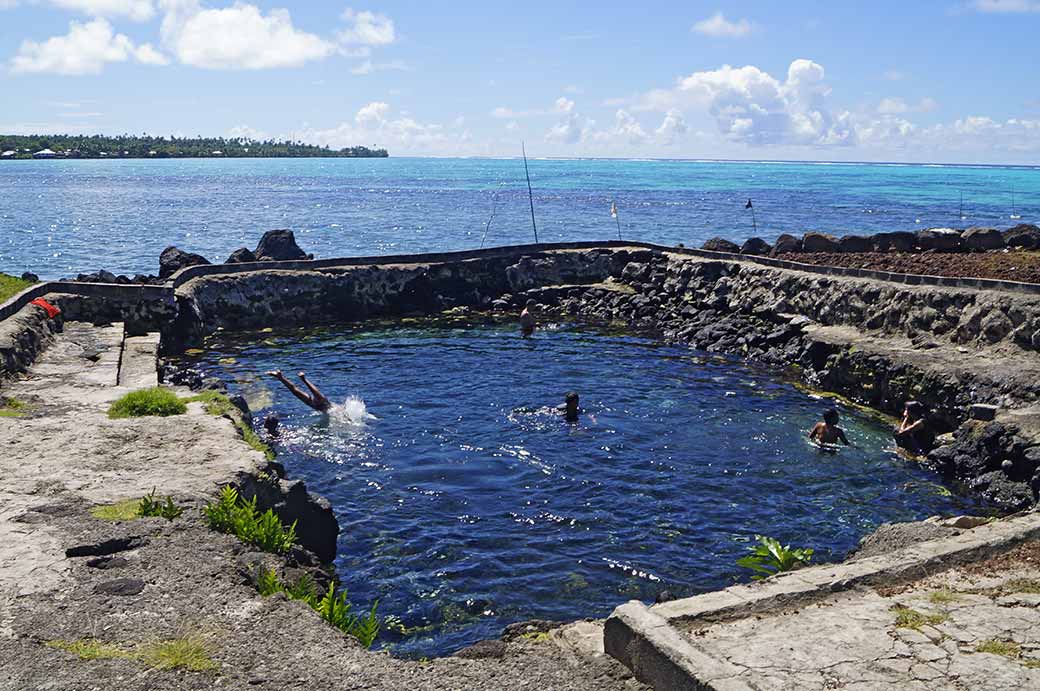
{"type": "Point", "coordinates": [138, 367]}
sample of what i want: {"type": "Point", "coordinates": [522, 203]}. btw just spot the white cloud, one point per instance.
{"type": "Point", "coordinates": [367, 29]}
{"type": "Point", "coordinates": [897, 106]}
{"type": "Point", "coordinates": [1006, 6]}
{"type": "Point", "coordinates": [373, 125]}
{"type": "Point", "coordinates": [717, 26]}
{"type": "Point", "coordinates": [671, 127]}
{"type": "Point", "coordinates": [137, 10]}
{"type": "Point", "coordinates": [753, 107]}
{"type": "Point", "coordinates": [237, 37]}
{"type": "Point", "coordinates": [564, 105]}
{"type": "Point", "coordinates": [247, 132]}
{"type": "Point", "coordinates": [86, 49]}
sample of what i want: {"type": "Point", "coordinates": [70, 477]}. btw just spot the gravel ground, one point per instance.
{"type": "Point", "coordinates": [1010, 266]}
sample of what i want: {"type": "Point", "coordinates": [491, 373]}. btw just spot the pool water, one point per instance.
{"type": "Point", "coordinates": [466, 502]}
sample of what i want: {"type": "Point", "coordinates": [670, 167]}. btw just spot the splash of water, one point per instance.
{"type": "Point", "coordinates": [352, 411]}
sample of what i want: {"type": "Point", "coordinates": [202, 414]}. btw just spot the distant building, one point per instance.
{"type": "Point", "coordinates": [218, 153]}
{"type": "Point", "coordinates": [7, 154]}
{"type": "Point", "coordinates": [44, 153]}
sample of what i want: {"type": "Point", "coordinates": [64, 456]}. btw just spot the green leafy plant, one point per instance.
{"type": "Point", "coordinates": [267, 582]}
{"type": "Point", "coordinates": [150, 506]}
{"type": "Point", "coordinates": [331, 606]}
{"type": "Point", "coordinates": [156, 401]}
{"type": "Point", "coordinates": [769, 557]}
{"type": "Point", "coordinates": [231, 514]}
{"type": "Point", "coordinates": [303, 589]}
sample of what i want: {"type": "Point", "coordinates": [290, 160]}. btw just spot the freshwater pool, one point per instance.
{"type": "Point", "coordinates": [467, 503]}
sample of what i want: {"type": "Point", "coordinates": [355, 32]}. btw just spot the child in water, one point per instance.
{"type": "Point", "coordinates": [828, 432]}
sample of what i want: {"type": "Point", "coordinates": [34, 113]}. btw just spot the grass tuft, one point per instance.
{"type": "Point", "coordinates": [907, 618]}
{"type": "Point", "coordinates": [536, 636]}
{"type": "Point", "coordinates": [90, 649]}
{"type": "Point", "coordinates": [1008, 649]}
{"type": "Point", "coordinates": [944, 596]}
{"type": "Point", "coordinates": [11, 286]}
{"type": "Point", "coordinates": [126, 510]}
{"type": "Point", "coordinates": [1022, 585]}
{"type": "Point", "coordinates": [12, 407]}
{"type": "Point", "coordinates": [187, 652]}
{"type": "Point", "coordinates": [216, 403]}
{"type": "Point", "coordinates": [156, 401]}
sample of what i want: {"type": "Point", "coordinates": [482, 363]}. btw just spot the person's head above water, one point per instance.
{"type": "Point", "coordinates": [914, 410]}
{"type": "Point", "coordinates": [570, 405]}
{"type": "Point", "coordinates": [830, 416]}
{"type": "Point", "coordinates": [271, 424]}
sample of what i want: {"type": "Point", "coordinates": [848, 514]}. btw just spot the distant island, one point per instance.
{"type": "Point", "coordinates": [64, 146]}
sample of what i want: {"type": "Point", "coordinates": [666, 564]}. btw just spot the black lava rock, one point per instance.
{"type": "Point", "coordinates": [174, 259]}
{"type": "Point", "coordinates": [279, 246]}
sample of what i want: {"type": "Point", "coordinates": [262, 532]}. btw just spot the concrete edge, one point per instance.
{"type": "Point", "coordinates": [646, 640]}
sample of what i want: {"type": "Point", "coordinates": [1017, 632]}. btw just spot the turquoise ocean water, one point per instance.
{"type": "Point", "coordinates": [61, 218]}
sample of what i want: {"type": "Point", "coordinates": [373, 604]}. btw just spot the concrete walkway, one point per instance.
{"type": "Point", "coordinates": [957, 613]}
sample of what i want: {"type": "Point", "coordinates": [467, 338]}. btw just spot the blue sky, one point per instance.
{"type": "Point", "coordinates": [942, 81]}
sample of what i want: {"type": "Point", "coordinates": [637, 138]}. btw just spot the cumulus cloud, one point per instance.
{"type": "Point", "coordinates": [237, 37]}
{"type": "Point", "coordinates": [672, 127]}
{"type": "Point", "coordinates": [896, 106]}
{"type": "Point", "coordinates": [249, 133]}
{"type": "Point", "coordinates": [369, 67]}
{"type": "Point", "coordinates": [137, 10]}
{"type": "Point", "coordinates": [717, 26]}
{"type": "Point", "coordinates": [367, 29]}
{"type": "Point", "coordinates": [375, 125]}
{"type": "Point", "coordinates": [85, 49]}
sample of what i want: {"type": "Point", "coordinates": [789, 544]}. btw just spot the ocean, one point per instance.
{"type": "Point", "coordinates": [61, 218]}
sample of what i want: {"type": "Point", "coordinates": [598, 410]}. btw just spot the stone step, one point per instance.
{"type": "Point", "coordinates": [138, 367]}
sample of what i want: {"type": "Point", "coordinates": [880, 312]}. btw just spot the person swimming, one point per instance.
{"type": "Point", "coordinates": [312, 397]}
{"type": "Point", "coordinates": [570, 407]}
{"type": "Point", "coordinates": [527, 322]}
{"type": "Point", "coordinates": [828, 432]}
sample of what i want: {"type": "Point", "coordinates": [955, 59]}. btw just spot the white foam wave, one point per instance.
{"type": "Point", "coordinates": [351, 411]}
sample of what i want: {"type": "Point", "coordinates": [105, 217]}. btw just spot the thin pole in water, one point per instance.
{"type": "Point", "coordinates": [754, 222]}
{"type": "Point", "coordinates": [614, 213]}
{"type": "Point", "coordinates": [530, 194]}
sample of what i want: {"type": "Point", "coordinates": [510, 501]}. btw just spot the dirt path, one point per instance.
{"type": "Point", "coordinates": [148, 581]}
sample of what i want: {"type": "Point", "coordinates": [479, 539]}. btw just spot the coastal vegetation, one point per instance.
{"type": "Point", "coordinates": [331, 606]}
{"type": "Point", "coordinates": [145, 146]}
{"type": "Point", "coordinates": [11, 407]}
{"type": "Point", "coordinates": [148, 506]}
{"type": "Point", "coordinates": [236, 516]}
{"type": "Point", "coordinates": [216, 403]}
{"type": "Point", "coordinates": [189, 652]}
{"type": "Point", "coordinates": [11, 286]}
{"type": "Point", "coordinates": [155, 401]}
{"type": "Point", "coordinates": [769, 557]}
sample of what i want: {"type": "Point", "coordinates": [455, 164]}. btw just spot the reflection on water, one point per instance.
{"type": "Point", "coordinates": [466, 501]}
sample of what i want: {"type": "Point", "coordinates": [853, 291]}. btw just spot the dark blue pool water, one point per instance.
{"type": "Point", "coordinates": [468, 504]}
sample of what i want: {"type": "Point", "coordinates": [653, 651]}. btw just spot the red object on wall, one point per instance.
{"type": "Point", "coordinates": [47, 307]}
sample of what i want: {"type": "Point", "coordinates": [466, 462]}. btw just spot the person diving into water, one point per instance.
{"type": "Point", "coordinates": [312, 397]}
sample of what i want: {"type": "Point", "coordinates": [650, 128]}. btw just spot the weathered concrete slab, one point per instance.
{"type": "Point", "coordinates": [137, 369]}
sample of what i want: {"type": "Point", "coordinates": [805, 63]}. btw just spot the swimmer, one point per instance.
{"type": "Point", "coordinates": [828, 432]}
{"type": "Point", "coordinates": [271, 424]}
{"type": "Point", "coordinates": [570, 407]}
{"type": "Point", "coordinates": [527, 322]}
{"type": "Point", "coordinates": [914, 433]}
{"type": "Point", "coordinates": [315, 399]}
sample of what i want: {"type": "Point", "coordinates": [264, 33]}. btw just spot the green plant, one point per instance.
{"type": "Point", "coordinates": [213, 402]}
{"type": "Point", "coordinates": [331, 606]}
{"type": "Point", "coordinates": [231, 514]}
{"type": "Point", "coordinates": [944, 595]}
{"type": "Point", "coordinates": [150, 506]}
{"type": "Point", "coordinates": [907, 618]}
{"type": "Point", "coordinates": [216, 403]}
{"type": "Point", "coordinates": [90, 649]}
{"type": "Point", "coordinates": [303, 589]}
{"type": "Point", "coordinates": [1022, 585]}
{"type": "Point", "coordinates": [769, 557]}
{"type": "Point", "coordinates": [155, 401]}
{"type": "Point", "coordinates": [187, 652]}
{"type": "Point", "coordinates": [267, 582]}
{"type": "Point", "coordinates": [1008, 649]}
{"type": "Point", "coordinates": [126, 510]}
{"type": "Point", "coordinates": [12, 407]}
{"type": "Point", "coordinates": [11, 286]}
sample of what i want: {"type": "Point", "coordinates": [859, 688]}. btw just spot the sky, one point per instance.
{"type": "Point", "coordinates": [945, 81]}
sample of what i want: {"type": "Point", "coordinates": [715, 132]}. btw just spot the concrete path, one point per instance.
{"type": "Point", "coordinates": [956, 613]}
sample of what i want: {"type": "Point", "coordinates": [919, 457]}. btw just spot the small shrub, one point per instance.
{"type": "Point", "coordinates": [187, 652]}
{"type": "Point", "coordinates": [156, 401]}
{"type": "Point", "coordinates": [333, 607]}
{"type": "Point", "coordinates": [150, 506]}
{"type": "Point", "coordinates": [769, 557]}
{"type": "Point", "coordinates": [267, 582]}
{"type": "Point", "coordinates": [231, 514]}
{"type": "Point", "coordinates": [303, 589]}
{"type": "Point", "coordinates": [907, 618]}
{"type": "Point", "coordinates": [1008, 649]}
{"type": "Point", "coordinates": [90, 649]}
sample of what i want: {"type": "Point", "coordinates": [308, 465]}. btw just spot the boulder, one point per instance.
{"type": "Point", "coordinates": [819, 242]}
{"type": "Point", "coordinates": [981, 411]}
{"type": "Point", "coordinates": [279, 246]}
{"type": "Point", "coordinates": [939, 240]}
{"type": "Point", "coordinates": [483, 650]}
{"type": "Point", "coordinates": [1024, 235]}
{"type": "Point", "coordinates": [174, 259]}
{"type": "Point", "coordinates": [756, 246]}
{"type": "Point", "coordinates": [982, 239]}
{"type": "Point", "coordinates": [720, 245]}
{"type": "Point", "coordinates": [899, 241]}
{"type": "Point", "coordinates": [786, 244]}
{"type": "Point", "coordinates": [120, 586]}
{"type": "Point", "coordinates": [30, 277]}
{"type": "Point", "coordinates": [241, 256]}
{"type": "Point", "coordinates": [850, 244]}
